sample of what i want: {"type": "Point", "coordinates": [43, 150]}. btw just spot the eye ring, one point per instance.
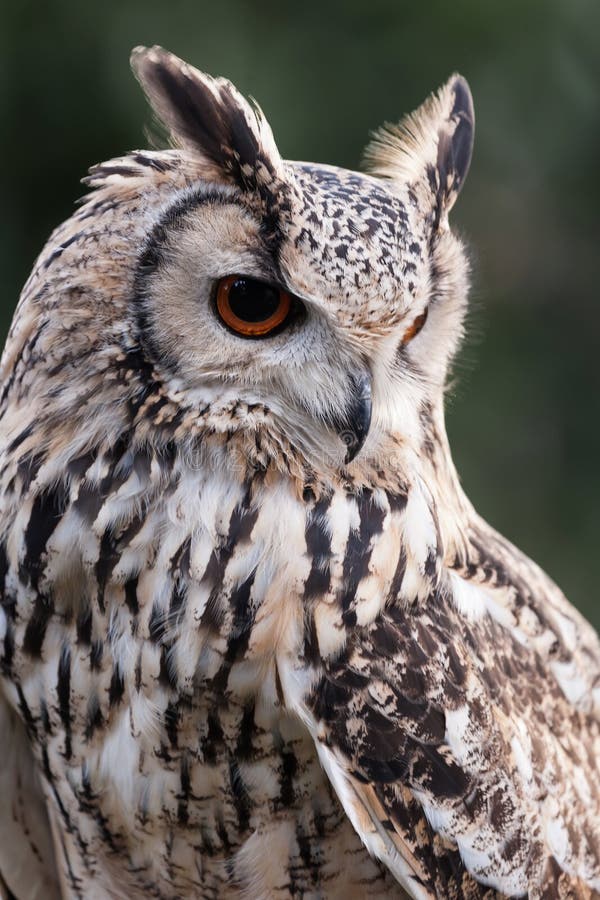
{"type": "Point", "coordinates": [251, 308]}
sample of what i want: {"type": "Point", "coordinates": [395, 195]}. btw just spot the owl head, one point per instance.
{"type": "Point", "coordinates": [255, 294]}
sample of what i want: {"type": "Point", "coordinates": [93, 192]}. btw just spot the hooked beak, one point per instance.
{"type": "Point", "coordinates": [354, 427]}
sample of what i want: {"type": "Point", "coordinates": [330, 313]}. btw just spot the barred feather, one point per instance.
{"type": "Point", "coordinates": [236, 660]}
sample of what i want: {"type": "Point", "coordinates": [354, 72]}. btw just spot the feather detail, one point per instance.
{"type": "Point", "coordinates": [429, 148]}
{"type": "Point", "coordinates": [238, 660]}
{"type": "Point", "coordinates": [209, 117]}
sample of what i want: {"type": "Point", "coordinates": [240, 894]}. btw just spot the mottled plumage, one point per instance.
{"type": "Point", "coordinates": [255, 640]}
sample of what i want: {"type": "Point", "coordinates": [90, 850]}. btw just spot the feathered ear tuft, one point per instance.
{"type": "Point", "coordinates": [209, 118]}
{"type": "Point", "coordinates": [430, 149]}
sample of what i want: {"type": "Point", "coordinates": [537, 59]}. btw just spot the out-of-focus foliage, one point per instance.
{"type": "Point", "coordinates": [524, 418]}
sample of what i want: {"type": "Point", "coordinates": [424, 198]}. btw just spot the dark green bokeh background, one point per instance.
{"type": "Point", "coordinates": [523, 418]}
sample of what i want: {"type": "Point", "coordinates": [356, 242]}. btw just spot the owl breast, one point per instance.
{"type": "Point", "coordinates": [158, 602]}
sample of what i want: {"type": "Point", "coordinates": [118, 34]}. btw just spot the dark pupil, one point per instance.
{"type": "Point", "coordinates": [252, 301]}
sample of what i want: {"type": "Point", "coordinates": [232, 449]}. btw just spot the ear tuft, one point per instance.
{"type": "Point", "coordinates": [430, 149]}
{"type": "Point", "coordinates": [208, 117]}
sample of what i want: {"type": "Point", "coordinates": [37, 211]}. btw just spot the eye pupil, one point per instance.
{"type": "Point", "coordinates": [253, 301]}
{"type": "Point", "coordinates": [252, 308]}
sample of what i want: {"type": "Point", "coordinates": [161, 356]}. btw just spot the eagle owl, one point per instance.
{"type": "Point", "coordinates": [255, 641]}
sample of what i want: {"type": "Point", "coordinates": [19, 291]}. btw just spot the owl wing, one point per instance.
{"type": "Point", "coordinates": [457, 755]}
{"type": "Point", "coordinates": [27, 868]}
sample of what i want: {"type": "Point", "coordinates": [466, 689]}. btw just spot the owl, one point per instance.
{"type": "Point", "coordinates": [255, 641]}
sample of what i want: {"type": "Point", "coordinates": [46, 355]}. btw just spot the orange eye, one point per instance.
{"type": "Point", "coordinates": [252, 308]}
{"type": "Point", "coordinates": [413, 330]}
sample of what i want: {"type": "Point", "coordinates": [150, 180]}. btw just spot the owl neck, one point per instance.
{"type": "Point", "coordinates": [420, 467]}
{"type": "Point", "coordinates": [456, 514]}
{"type": "Point", "coordinates": [413, 464]}
{"type": "Point", "coordinates": [427, 465]}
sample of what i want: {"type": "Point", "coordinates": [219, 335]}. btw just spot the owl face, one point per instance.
{"type": "Point", "coordinates": [295, 300]}
{"type": "Point", "coordinates": [348, 300]}
{"type": "Point", "coordinates": [329, 300]}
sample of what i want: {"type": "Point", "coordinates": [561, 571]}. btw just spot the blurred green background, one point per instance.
{"type": "Point", "coordinates": [523, 418]}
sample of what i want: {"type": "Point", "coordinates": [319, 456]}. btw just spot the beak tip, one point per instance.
{"type": "Point", "coordinates": [358, 421]}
